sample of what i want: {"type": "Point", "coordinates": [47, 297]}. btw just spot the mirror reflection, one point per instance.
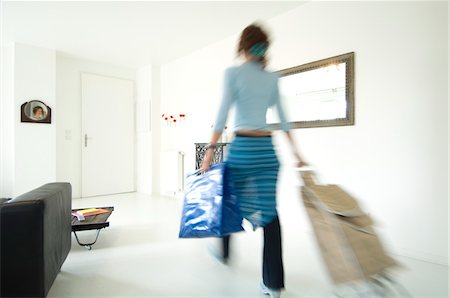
{"type": "Point", "coordinates": [36, 110]}
{"type": "Point", "coordinates": [318, 93]}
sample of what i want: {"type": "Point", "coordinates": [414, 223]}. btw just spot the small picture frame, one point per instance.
{"type": "Point", "coordinates": [36, 111]}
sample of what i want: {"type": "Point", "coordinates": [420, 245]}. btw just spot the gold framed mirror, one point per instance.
{"type": "Point", "coordinates": [318, 94]}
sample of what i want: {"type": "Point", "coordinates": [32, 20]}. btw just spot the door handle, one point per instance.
{"type": "Point", "coordinates": [85, 139]}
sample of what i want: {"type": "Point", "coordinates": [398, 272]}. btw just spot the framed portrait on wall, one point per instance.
{"type": "Point", "coordinates": [36, 111]}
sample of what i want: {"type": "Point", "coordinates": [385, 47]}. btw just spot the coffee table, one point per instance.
{"type": "Point", "coordinates": [93, 222]}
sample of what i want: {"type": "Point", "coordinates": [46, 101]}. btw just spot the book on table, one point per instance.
{"type": "Point", "coordinates": [81, 214]}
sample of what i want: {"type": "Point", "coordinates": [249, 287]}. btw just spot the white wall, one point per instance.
{"type": "Point", "coordinates": [143, 129]}
{"type": "Point", "coordinates": [448, 139]}
{"type": "Point", "coordinates": [156, 128]}
{"type": "Point", "coordinates": [395, 157]}
{"type": "Point", "coordinates": [193, 85]}
{"type": "Point", "coordinates": [68, 130]}
{"type": "Point", "coordinates": [7, 109]}
{"type": "Point", "coordinates": [34, 158]}
{"type": "Point", "coordinates": [148, 129]}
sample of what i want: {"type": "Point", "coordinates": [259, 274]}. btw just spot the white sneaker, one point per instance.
{"type": "Point", "coordinates": [273, 293]}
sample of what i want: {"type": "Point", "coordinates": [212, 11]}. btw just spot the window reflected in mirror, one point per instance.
{"type": "Point", "coordinates": [317, 94]}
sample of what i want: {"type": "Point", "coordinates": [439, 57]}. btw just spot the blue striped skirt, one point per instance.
{"type": "Point", "coordinates": [254, 168]}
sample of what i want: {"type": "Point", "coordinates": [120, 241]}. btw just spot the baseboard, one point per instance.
{"type": "Point", "coordinates": [172, 195]}
{"type": "Point", "coordinates": [418, 255]}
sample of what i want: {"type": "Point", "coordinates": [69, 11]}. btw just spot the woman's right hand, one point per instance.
{"type": "Point", "coordinates": [207, 160]}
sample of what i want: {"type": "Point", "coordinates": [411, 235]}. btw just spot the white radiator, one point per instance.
{"type": "Point", "coordinates": [172, 173]}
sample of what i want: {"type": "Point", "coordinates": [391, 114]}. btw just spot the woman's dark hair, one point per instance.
{"type": "Point", "coordinates": [252, 35]}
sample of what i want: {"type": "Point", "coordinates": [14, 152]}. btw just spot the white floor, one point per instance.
{"type": "Point", "coordinates": [140, 255]}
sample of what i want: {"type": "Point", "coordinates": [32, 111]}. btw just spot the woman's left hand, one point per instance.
{"type": "Point", "coordinates": [302, 163]}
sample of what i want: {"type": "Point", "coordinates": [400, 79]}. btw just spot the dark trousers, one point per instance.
{"type": "Point", "coordinates": [273, 272]}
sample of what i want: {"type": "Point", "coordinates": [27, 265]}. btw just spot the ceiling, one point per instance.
{"type": "Point", "coordinates": [131, 33]}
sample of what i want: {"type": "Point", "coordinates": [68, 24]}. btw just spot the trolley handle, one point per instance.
{"type": "Point", "coordinates": [308, 175]}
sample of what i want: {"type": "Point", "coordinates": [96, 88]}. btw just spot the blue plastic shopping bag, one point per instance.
{"type": "Point", "coordinates": [210, 207]}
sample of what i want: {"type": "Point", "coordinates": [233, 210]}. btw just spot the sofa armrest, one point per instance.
{"type": "Point", "coordinates": [21, 244]}
{"type": "Point", "coordinates": [57, 229]}
{"type": "Point", "coordinates": [35, 233]}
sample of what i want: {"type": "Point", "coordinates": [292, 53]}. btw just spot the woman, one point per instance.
{"type": "Point", "coordinates": [38, 113]}
{"type": "Point", "coordinates": [251, 159]}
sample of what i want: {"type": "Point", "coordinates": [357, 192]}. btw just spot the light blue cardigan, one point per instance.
{"type": "Point", "coordinates": [252, 90]}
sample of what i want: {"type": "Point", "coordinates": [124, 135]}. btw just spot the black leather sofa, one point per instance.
{"type": "Point", "coordinates": [35, 239]}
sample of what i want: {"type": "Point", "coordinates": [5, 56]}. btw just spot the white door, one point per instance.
{"type": "Point", "coordinates": [108, 135]}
